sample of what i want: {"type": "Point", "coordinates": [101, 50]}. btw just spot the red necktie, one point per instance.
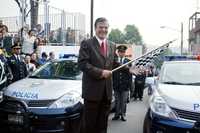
{"type": "Point", "coordinates": [103, 49]}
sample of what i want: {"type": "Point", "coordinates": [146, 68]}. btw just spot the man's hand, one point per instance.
{"type": "Point", "coordinates": [106, 74]}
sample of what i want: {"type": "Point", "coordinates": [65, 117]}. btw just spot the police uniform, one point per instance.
{"type": "Point", "coordinates": [18, 67]}
{"type": "Point", "coordinates": [122, 81]}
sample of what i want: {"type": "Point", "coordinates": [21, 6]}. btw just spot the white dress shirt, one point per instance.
{"type": "Point", "coordinates": [101, 41]}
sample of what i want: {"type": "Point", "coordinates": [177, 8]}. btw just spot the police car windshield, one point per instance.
{"type": "Point", "coordinates": [187, 73]}
{"type": "Point", "coordinates": [67, 70]}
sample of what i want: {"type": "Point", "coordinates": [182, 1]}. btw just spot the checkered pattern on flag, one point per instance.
{"type": "Point", "coordinates": [152, 56]}
{"type": "Point", "coordinates": [148, 58]}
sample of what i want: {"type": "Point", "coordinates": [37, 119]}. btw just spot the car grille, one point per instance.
{"type": "Point", "coordinates": [34, 103]}
{"type": "Point", "coordinates": [39, 103]}
{"type": "Point", "coordinates": [188, 115]}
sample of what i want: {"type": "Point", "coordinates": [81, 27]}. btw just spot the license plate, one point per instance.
{"type": "Point", "coordinates": [16, 119]}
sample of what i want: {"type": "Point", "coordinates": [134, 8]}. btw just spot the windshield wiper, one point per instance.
{"type": "Point", "coordinates": [173, 82]}
{"type": "Point", "coordinates": [63, 77]}
{"type": "Point", "coordinates": [195, 83]}
{"type": "Point", "coordinates": [35, 76]}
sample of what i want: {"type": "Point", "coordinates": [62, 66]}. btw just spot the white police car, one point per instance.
{"type": "Point", "coordinates": [49, 100]}
{"type": "Point", "coordinates": [175, 103]}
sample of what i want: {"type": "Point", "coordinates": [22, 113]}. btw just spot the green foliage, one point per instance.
{"type": "Point", "coordinates": [132, 35]}
{"type": "Point", "coordinates": [129, 36]}
{"type": "Point", "coordinates": [116, 36]}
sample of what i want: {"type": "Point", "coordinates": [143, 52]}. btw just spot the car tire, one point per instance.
{"type": "Point", "coordinates": [146, 125]}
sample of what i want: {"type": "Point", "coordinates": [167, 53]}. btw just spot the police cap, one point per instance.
{"type": "Point", "coordinates": [16, 46]}
{"type": "Point", "coordinates": [122, 48]}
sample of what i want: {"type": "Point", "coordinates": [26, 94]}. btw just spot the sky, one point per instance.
{"type": "Point", "coordinates": [147, 15]}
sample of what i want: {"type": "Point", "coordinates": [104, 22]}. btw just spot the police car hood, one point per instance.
{"type": "Point", "coordinates": [42, 89]}
{"type": "Point", "coordinates": [180, 96]}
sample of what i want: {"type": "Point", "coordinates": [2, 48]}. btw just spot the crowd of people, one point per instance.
{"type": "Point", "coordinates": [19, 54]}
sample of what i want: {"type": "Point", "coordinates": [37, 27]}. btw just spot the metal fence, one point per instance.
{"type": "Point", "coordinates": [60, 27]}
{"type": "Point", "coordinates": [12, 23]}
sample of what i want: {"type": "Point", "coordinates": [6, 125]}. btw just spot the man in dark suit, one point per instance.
{"type": "Point", "coordinates": [96, 58]}
{"type": "Point", "coordinates": [16, 64]}
{"type": "Point", "coordinates": [122, 83]}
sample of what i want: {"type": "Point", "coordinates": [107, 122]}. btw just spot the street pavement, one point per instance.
{"type": "Point", "coordinates": [135, 115]}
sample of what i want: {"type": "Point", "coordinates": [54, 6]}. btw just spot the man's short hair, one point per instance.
{"type": "Point", "coordinates": [29, 32]}
{"type": "Point", "coordinates": [100, 20]}
{"type": "Point", "coordinates": [51, 53]}
{"type": "Point", "coordinates": [44, 54]}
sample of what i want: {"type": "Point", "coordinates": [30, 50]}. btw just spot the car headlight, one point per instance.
{"type": "Point", "coordinates": [69, 99]}
{"type": "Point", "coordinates": [159, 106]}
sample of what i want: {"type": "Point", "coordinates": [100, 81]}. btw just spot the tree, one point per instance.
{"type": "Point", "coordinates": [132, 35]}
{"type": "Point", "coordinates": [116, 36]}
{"type": "Point", "coordinates": [34, 7]}
{"type": "Point", "coordinates": [34, 12]}
{"type": "Point", "coordinates": [22, 9]}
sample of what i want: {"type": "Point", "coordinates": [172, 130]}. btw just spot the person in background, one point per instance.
{"type": "Point", "coordinates": [43, 58]}
{"type": "Point", "coordinates": [34, 60]}
{"type": "Point", "coordinates": [23, 33]}
{"type": "Point", "coordinates": [7, 40]}
{"type": "Point", "coordinates": [122, 83]}
{"type": "Point", "coordinates": [1, 23]}
{"type": "Point", "coordinates": [139, 83]}
{"type": "Point", "coordinates": [30, 66]}
{"type": "Point", "coordinates": [5, 30]}
{"type": "Point", "coordinates": [52, 37]}
{"type": "Point", "coordinates": [51, 56]}
{"type": "Point", "coordinates": [59, 35]}
{"type": "Point", "coordinates": [39, 31]}
{"type": "Point", "coordinates": [1, 39]}
{"type": "Point", "coordinates": [16, 63]}
{"type": "Point", "coordinates": [149, 73]}
{"type": "Point", "coordinates": [29, 45]}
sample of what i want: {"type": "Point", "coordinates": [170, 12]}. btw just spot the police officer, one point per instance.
{"type": "Point", "coordinates": [122, 81]}
{"type": "Point", "coordinates": [17, 64]}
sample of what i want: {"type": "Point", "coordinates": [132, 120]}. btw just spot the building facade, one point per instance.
{"type": "Point", "coordinates": [194, 34]}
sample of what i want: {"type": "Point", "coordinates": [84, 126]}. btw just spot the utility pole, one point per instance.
{"type": "Point", "coordinates": [91, 18]}
{"type": "Point", "coordinates": [180, 31]}
{"type": "Point", "coordinates": [182, 38]}
{"type": "Point", "coordinates": [46, 19]}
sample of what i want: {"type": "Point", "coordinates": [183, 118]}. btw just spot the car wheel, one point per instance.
{"type": "Point", "coordinates": [146, 125]}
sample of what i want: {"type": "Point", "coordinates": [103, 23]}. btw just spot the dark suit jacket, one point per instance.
{"type": "Point", "coordinates": [18, 68]}
{"type": "Point", "coordinates": [7, 44]}
{"type": "Point", "coordinates": [122, 79]}
{"type": "Point", "coordinates": [92, 62]}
